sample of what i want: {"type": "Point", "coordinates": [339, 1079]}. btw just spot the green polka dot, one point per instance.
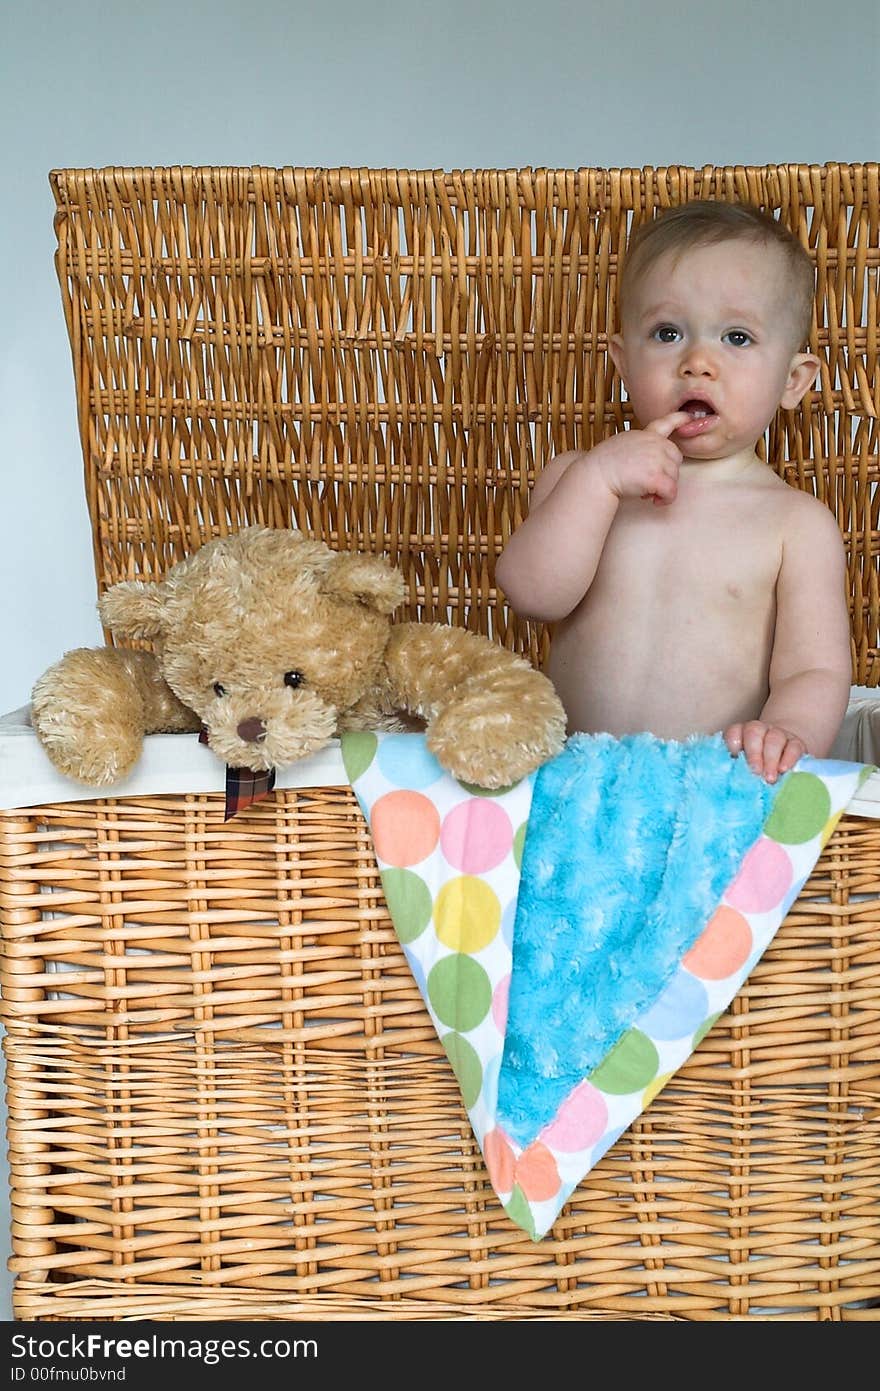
{"type": "Point", "coordinates": [465, 1065]}
{"type": "Point", "coordinates": [519, 842]}
{"type": "Point", "coordinates": [704, 1028]}
{"type": "Point", "coordinates": [800, 811]}
{"type": "Point", "coordinates": [629, 1067]}
{"type": "Point", "coordinates": [409, 902]}
{"type": "Point", "coordinates": [459, 992]}
{"type": "Point", "coordinates": [476, 791]}
{"type": "Point", "coordinates": [358, 751]}
{"type": "Point", "coordinates": [519, 1211]}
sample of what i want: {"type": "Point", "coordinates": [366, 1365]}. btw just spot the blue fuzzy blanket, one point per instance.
{"type": "Point", "coordinates": [631, 844]}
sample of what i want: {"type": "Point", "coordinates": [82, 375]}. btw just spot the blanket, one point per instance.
{"type": "Point", "coordinates": [575, 936]}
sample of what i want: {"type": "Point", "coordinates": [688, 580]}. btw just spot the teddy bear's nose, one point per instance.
{"type": "Point", "coordinates": [252, 730]}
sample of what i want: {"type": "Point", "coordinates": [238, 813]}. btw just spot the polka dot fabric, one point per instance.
{"type": "Point", "coordinates": [450, 859]}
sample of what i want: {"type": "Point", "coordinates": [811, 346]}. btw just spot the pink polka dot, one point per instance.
{"type": "Point", "coordinates": [499, 1003]}
{"type": "Point", "coordinates": [580, 1120]}
{"type": "Point", "coordinates": [405, 826]}
{"type": "Point", "coordinates": [764, 879]}
{"type": "Point", "coordinates": [721, 948]}
{"type": "Point", "coordinates": [476, 835]}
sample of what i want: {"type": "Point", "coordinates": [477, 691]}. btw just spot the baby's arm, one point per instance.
{"type": "Point", "coordinates": [810, 668]}
{"type": "Point", "coordinates": [550, 561]}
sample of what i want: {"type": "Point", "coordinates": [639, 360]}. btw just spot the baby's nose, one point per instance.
{"type": "Point", "coordinates": [698, 361]}
{"type": "Point", "coordinates": [252, 730]}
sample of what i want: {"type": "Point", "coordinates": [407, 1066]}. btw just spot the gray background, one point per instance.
{"type": "Point", "coordinates": [458, 84]}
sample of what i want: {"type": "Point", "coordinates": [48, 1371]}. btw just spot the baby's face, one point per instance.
{"type": "Point", "coordinates": [709, 331]}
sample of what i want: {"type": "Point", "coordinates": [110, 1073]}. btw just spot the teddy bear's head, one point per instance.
{"type": "Point", "coordinates": [268, 636]}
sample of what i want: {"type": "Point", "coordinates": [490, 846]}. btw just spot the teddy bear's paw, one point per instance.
{"type": "Point", "coordinates": [88, 717]}
{"type": "Point", "coordinates": [80, 748]}
{"type": "Point", "coordinates": [493, 749]}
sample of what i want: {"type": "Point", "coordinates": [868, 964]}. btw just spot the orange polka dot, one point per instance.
{"type": "Point", "coordinates": [722, 947]}
{"type": "Point", "coordinates": [499, 1161]}
{"type": "Point", "coordinates": [537, 1174]}
{"type": "Point", "coordinates": [405, 826]}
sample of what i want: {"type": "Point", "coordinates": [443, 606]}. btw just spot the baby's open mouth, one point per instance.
{"type": "Point", "coordinates": [702, 416]}
{"type": "Point", "coordinates": [699, 410]}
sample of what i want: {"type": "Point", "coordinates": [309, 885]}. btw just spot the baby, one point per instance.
{"type": "Point", "coordinates": [691, 590]}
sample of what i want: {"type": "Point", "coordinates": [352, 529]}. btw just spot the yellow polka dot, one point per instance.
{"type": "Point", "coordinates": [654, 1087]}
{"type": "Point", "coordinates": [829, 828]}
{"type": "Point", "coordinates": [467, 914]}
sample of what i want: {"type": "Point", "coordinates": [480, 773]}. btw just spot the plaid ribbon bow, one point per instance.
{"type": "Point", "coordinates": [243, 785]}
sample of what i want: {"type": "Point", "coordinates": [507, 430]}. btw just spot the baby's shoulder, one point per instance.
{"type": "Point", "coordinates": [805, 518]}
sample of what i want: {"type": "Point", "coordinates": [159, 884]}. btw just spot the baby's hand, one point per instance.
{"type": "Point", "coordinates": [643, 463]}
{"type": "Point", "coordinates": [770, 750]}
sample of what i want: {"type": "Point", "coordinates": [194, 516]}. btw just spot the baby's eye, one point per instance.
{"type": "Point", "coordinates": [738, 338]}
{"type": "Point", "coordinates": [666, 333]}
{"type": "Point", "coordinates": [218, 689]}
{"type": "Point", "coordinates": [293, 678]}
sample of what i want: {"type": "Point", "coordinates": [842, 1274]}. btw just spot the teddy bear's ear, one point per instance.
{"type": "Point", "coordinates": [133, 609]}
{"type": "Point", "coordinates": [365, 579]}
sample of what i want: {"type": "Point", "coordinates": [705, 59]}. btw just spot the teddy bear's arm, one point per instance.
{"type": "Point", "coordinates": [491, 717]}
{"type": "Point", "coordinates": [91, 710]}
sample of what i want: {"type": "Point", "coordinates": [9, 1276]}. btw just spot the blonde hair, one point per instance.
{"type": "Point", "coordinates": [704, 222]}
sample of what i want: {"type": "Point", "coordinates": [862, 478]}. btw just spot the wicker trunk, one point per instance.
{"type": "Point", "coordinates": [226, 1098]}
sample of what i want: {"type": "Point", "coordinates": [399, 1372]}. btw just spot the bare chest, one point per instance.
{"type": "Point", "coordinates": [695, 550]}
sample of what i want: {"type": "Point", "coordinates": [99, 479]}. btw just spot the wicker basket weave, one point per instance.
{"type": "Point", "coordinates": [226, 1098]}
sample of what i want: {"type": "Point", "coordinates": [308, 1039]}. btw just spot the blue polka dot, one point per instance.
{"type": "Point", "coordinates": [678, 1010]}
{"type": "Point", "coordinates": [418, 973]}
{"type": "Point", "coordinates": [826, 767]}
{"type": "Point", "coordinates": [489, 1090]}
{"type": "Point", "coordinates": [792, 894]}
{"type": "Point", "coordinates": [507, 920]}
{"type": "Point", "coordinates": [407, 762]}
{"type": "Point", "coordinates": [605, 1144]}
{"type": "Point", "coordinates": [753, 960]}
{"type": "Point", "coordinates": [565, 1192]}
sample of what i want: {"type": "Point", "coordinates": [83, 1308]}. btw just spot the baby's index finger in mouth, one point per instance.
{"type": "Point", "coordinates": [668, 424]}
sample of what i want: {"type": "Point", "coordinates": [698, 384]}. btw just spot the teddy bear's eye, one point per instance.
{"type": "Point", "coordinates": [218, 689]}
{"type": "Point", "coordinates": [293, 678]}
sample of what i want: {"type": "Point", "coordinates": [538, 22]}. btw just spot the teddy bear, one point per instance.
{"type": "Point", "coordinates": [271, 643]}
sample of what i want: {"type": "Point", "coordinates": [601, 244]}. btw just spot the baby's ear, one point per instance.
{"type": "Point", "coordinates": [802, 373]}
{"type": "Point", "coordinates": [133, 609]}
{"type": "Point", "coordinates": [616, 353]}
{"type": "Point", "coordinates": [365, 579]}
